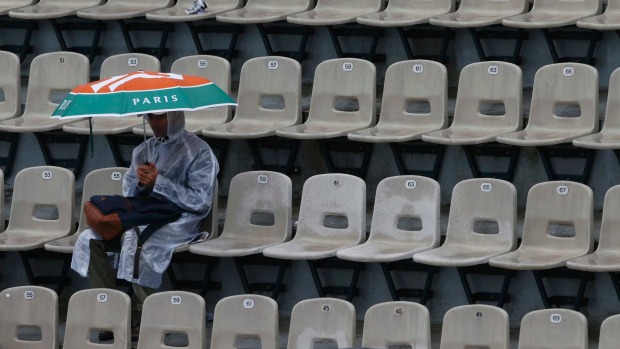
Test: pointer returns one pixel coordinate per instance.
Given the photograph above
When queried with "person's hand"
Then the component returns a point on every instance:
(147, 174)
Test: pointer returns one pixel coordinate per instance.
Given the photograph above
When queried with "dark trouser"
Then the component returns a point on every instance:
(100, 271)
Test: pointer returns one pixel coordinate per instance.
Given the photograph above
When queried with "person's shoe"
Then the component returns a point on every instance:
(209, 316)
(105, 336)
(199, 7)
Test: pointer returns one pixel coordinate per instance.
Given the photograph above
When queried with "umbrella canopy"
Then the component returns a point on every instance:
(141, 92)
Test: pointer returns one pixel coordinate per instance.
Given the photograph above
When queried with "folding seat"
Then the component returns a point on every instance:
(553, 329)
(175, 313)
(475, 326)
(269, 99)
(334, 14)
(397, 323)
(28, 318)
(564, 107)
(410, 89)
(10, 85)
(410, 19)
(487, 15)
(245, 316)
(94, 310)
(405, 221)
(557, 228)
(332, 216)
(609, 20)
(481, 225)
(258, 215)
(488, 104)
(343, 100)
(269, 16)
(608, 338)
(551, 14)
(322, 319)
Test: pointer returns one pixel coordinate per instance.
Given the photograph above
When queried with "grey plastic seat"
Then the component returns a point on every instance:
(322, 319)
(104, 181)
(543, 246)
(558, 90)
(475, 326)
(94, 310)
(8, 5)
(244, 316)
(115, 65)
(402, 13)
(173, 312)
(10, 85)
(265, 11)
(333, 12)
(553, 329)
(415, 80)
(555, 13)
(397, 323)
(177, 13)
(483, 85)
(124, 9)
(480, 13)
(46, 9)
(51, 74)
(609, 333)
(269, 99)
(28, 307)
(41, 209)
(348, 80)
(609, 20)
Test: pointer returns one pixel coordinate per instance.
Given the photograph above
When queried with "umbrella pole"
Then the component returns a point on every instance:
(90, 127)
(144, 133)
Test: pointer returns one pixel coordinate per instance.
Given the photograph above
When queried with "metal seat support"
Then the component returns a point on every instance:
(567, 151)
(502, 297)
(75, 24)
(47, 142)
(375, 33)
(289, 146)
(499, 32)
(258, 260)
(349, 291)
(426, 32)
(329, 147)
(165, 28)
(211, 26)
(494, 150)
(407, 265)
(576, 301)
(281, 29)
(58, 282)
(23, 49)
(205, 284)
(424, 149)
(593, 36)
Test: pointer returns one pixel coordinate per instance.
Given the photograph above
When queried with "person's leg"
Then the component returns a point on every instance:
(100, 271)
(142, 293)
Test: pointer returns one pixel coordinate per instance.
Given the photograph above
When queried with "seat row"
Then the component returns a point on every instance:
(255, 319)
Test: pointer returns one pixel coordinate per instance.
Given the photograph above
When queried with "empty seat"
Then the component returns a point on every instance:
(10, 85)
(46, 9)
(172, 312)
(401, 13)
(475, 326)
(331, 12)
(94, 310)
(245, 316)
(177, 12)
(609, 20)
(555, 13)
(396, 323)
(479, 13)
(608, 338)
(322, 319)
(553, 329)
(256, 11)
(9, 5)
(123, 9)
(28, 310)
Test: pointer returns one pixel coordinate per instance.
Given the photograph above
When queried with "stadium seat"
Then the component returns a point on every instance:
(553, 329)
(269, 99)
(492, 108)
(564, 107)
(609, 20)
(475, 326)
(332, 217)
(396, 323)
(609, 333)
(30, 308)
(557, 227)
(177, 12)
(481, 225)
(409, 87)
(395, 237)
(343, 100)
(9, 5)
(245, 316)
(322, 319)
(10, 85)
(94, 310)
(258, 215)
(51, 9)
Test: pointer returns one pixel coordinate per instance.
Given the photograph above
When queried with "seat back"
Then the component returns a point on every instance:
(344, 93)
(483, 212)
(612, 111)
(412, 84)
(10, 85)
(610, 328)
(245, 316)
(125, 63)
(214, 68)
(397, 323)
(401, 199)
(259, 206)
(103, 181)
(94, 310)
(557, 7)
(2, 200)
(43, 201)
(510, 7)
(609, 239)
(350, 5)
(300, 5)
(322, 319)
(420, 5)
(172, 312)
(567, 89)
(475, 326)
(553, 329)
(28, 307)
(52, 76)
(489, 97)
(270, 92)
(333, 206)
